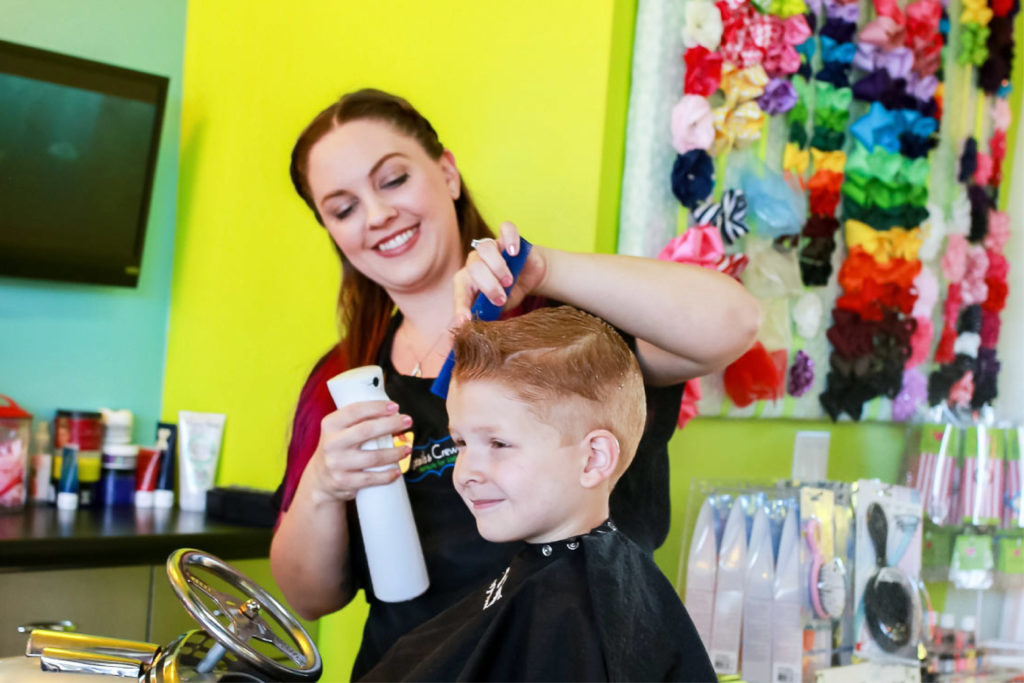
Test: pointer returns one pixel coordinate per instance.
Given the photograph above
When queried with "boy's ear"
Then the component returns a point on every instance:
(602, 458)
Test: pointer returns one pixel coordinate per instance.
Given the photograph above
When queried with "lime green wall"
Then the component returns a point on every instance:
(531, 97)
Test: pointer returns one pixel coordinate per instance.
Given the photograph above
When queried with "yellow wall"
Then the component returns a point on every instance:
(530, 96)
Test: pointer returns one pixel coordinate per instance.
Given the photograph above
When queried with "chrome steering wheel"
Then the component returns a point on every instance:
(244, 618)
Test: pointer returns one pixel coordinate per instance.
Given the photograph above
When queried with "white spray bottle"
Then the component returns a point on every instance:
(398, 571)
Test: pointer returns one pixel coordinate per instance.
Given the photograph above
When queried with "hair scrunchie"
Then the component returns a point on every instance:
(693, 177)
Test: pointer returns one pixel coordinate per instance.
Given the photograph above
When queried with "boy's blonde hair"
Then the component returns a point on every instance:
(573, 370)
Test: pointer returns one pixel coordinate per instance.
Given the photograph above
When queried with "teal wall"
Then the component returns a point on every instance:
(89, 346)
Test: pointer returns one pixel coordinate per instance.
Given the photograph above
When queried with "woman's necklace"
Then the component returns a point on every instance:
(418, 369)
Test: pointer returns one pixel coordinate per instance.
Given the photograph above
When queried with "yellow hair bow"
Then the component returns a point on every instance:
(976, 11)
(738, 122)
(736, 127)
(828, 161)
(742, 85)
(795, 159)
(883, 244)
(787, 8)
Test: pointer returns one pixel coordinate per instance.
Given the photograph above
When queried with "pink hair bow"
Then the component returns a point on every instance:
(962, 390)
(780, 39)
(700, 245)
(1001, 115)
(795, 29)
(998, 266)
(920, 342)
(781, 59)
(693, 126)
(923, 17)
(998, 230)
(927, 286)
(973, 288)
(888, 30)
(745, 35)
(688, 406)
(954, 261)
(883, 32)
(983, 172)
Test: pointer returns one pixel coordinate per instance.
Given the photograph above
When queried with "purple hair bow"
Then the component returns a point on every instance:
(779, 96)
(922, 87)
(849, 13)
(897, 62)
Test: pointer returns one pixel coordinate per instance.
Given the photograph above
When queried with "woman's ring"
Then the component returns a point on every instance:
(476, 243)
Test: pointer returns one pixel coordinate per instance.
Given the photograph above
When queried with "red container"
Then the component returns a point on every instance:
(146, 472)
(85, 429)
(15, 427)
(79, 427)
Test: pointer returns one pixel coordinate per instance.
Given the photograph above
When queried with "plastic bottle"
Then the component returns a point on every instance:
(117, 426)
(968, 637)
(67, 488)
(398, 571)
(42, 466)
(163, 497)
(931, 665)
(945, 635)
(117, 476)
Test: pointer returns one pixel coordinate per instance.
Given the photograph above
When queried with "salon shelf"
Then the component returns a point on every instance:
(42, 537)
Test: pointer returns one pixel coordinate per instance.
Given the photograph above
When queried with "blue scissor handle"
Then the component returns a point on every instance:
(483, 310)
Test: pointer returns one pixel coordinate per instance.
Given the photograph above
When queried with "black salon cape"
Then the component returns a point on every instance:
(591, 608)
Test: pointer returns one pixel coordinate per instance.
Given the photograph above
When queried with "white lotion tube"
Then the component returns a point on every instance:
(198, 451)
(732, 575)
(398, 571)
(757, 602)
(701, 567)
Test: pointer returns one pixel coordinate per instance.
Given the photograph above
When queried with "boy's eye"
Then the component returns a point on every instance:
(459, 443)
(498, 443)
(396, 181)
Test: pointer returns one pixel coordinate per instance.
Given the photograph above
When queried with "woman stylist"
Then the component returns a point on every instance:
(376, 176)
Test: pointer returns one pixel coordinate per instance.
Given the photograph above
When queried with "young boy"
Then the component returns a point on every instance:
(547, 410)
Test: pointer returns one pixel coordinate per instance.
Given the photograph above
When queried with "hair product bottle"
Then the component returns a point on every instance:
(398, 571)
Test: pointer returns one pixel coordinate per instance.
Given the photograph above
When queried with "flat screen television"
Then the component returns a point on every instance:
(78, 150)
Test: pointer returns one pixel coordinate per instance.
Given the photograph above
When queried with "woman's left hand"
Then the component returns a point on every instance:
(485, 272)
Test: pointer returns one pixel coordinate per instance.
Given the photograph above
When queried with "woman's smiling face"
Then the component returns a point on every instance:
(388, 206)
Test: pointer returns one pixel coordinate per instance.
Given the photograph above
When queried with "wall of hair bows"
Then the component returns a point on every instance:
(845, 161)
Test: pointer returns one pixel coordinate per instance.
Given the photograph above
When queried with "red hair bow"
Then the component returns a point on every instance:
(756, 375)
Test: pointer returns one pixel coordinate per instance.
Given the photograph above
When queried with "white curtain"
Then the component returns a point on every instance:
(649, 211)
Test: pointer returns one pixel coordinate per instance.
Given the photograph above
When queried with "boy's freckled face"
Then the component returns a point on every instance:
(512, 471)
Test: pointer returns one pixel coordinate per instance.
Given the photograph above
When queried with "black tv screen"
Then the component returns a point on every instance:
(78, 150)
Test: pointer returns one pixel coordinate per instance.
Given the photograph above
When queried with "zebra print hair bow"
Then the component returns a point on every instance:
(728, 215)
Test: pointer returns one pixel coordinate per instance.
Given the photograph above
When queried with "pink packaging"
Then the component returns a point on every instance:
(934, 477)
(15, 427)
(1012, 512)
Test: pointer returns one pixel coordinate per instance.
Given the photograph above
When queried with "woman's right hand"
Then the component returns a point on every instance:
(340, 465)
(485, 272)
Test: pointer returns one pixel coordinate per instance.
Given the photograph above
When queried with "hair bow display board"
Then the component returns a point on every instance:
(848, 163)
